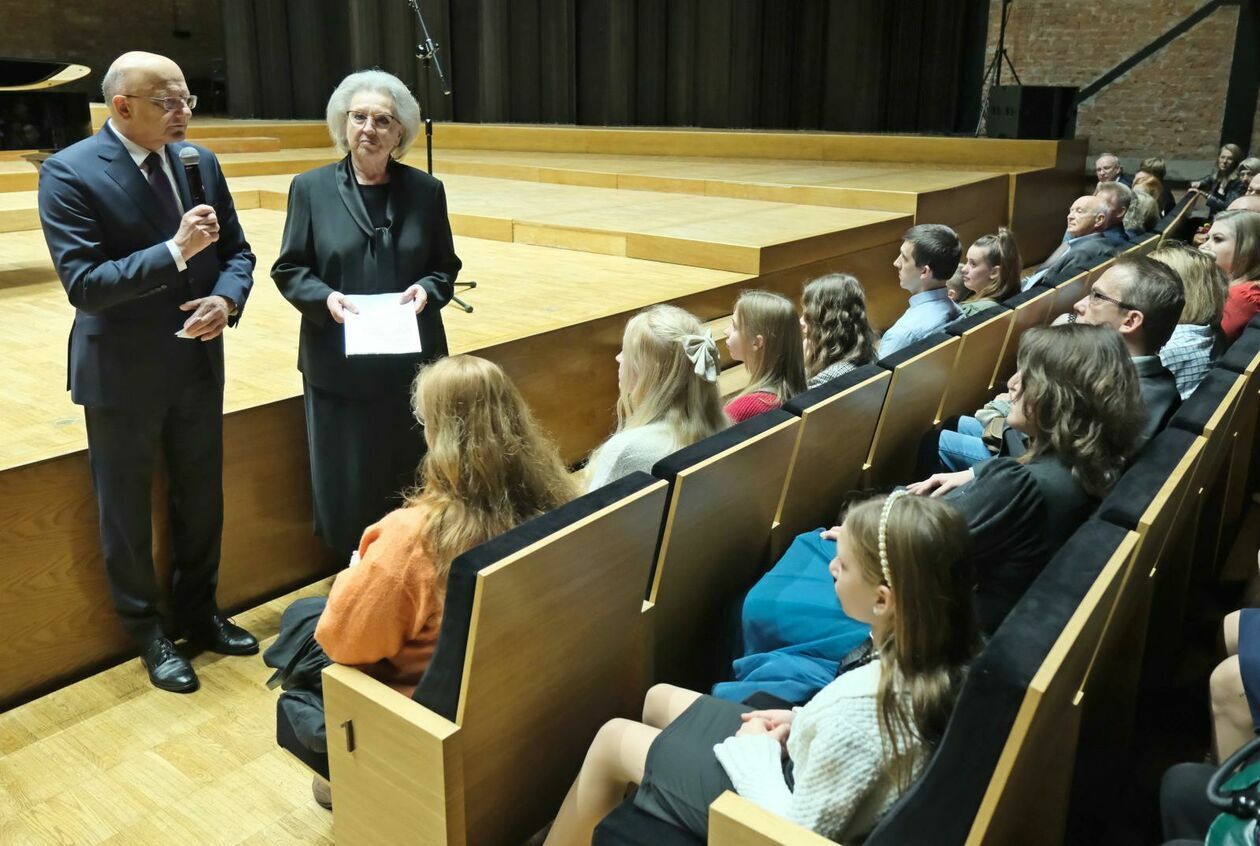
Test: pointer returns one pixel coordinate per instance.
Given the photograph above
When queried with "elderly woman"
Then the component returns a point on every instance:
(367, 224)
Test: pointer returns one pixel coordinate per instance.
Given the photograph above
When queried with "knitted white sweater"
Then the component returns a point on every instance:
(842, 787)
(627, 451)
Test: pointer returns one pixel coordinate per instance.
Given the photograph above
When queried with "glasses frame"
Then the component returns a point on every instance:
(1099, 296)
(180, 102)
(390, 120)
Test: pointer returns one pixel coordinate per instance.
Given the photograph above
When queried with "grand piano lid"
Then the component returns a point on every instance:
(33, 75)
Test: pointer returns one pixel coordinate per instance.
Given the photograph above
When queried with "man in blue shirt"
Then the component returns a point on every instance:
(928, 258)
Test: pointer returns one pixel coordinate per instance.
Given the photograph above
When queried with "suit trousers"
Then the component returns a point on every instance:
(122, 448)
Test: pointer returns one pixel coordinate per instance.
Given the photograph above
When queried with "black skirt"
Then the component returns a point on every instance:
(364, 453)
(682, 776)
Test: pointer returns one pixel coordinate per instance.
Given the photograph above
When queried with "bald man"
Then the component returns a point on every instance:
(1247, 202)
(156, 272)
(1085, 246)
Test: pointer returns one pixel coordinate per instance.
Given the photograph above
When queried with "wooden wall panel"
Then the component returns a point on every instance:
(860, 65)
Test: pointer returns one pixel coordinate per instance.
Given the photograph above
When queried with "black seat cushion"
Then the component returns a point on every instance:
(1195, 412)
(1125, 504)
(945, 799)
(440, 686)
(799, 403)
(1025, 296)
(1244, 350)
(965, 324)
(901, 356)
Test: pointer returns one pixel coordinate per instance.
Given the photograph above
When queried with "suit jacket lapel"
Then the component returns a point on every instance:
(350, 195)
(122, 169)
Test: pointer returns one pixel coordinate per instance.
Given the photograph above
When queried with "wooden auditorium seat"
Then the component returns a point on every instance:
(724, 492)
(981, 340)
(1067, 294)
(1242, 357)
(540, 645)
(1032, 308)
(838, 422)
(920, 373)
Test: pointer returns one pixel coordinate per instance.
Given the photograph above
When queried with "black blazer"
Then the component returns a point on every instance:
(330, 245)
(1159, 393)
(1084, 253)
(106, 234)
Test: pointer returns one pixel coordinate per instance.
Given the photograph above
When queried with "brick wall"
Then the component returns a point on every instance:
(95, 32)
(1171, 104)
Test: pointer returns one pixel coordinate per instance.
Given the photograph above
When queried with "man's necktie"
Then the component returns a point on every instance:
(161, 187)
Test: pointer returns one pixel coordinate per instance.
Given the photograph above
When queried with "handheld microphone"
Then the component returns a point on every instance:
(190, 159)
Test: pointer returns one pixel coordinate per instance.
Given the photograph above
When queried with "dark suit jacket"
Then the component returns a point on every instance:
(1159, 392)
(107, 237)
(1083, 254)
(330, 245)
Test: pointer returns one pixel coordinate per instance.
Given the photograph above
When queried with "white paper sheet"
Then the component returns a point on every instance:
(383, 326)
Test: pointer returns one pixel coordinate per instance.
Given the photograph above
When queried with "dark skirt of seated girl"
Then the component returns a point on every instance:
(837, 764)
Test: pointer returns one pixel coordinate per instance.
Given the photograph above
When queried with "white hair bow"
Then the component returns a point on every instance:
(703, 354)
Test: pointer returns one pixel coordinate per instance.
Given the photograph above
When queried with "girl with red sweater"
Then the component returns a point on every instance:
(765, 335)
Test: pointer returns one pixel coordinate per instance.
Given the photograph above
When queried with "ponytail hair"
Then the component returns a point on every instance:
(1002, 252)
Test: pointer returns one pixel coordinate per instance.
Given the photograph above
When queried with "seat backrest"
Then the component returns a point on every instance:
(920, 373)
(1032, 308)
(976, 786)
(1209, 412)
(982, 338)
(724, 493)
(1067, 294)
(837, 426)
(541, 630)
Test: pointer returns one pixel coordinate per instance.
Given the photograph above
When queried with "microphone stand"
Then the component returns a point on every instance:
(426, 52)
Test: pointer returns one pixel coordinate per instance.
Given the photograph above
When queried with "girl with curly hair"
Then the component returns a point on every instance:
(837, 333)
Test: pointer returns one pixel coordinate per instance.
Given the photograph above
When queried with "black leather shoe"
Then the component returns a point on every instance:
(219, 634)
(168, 670)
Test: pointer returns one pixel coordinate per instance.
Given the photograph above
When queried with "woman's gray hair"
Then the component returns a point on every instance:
(406, 109)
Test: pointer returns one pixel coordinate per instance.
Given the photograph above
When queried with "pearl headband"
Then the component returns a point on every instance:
(883, 532)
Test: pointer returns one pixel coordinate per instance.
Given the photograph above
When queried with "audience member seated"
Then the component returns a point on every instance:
(764, 333)
(956, 288)
(1085, 246)
(990, 272)
(1218, 183)
(1253, 187)
(489, 467)
(1142, 217)
(667, 393)
(928, 258)
(1153, 173)
(1075, 397)
(1143, 300)
(1119, 198)
(836, 334)
(1247, 202)
(1234, 243)
(836, 765)
(1237, 187)
(1107, 168)
(1191, 349)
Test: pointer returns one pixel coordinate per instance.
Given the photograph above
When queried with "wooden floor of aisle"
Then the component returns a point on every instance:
(112, 760)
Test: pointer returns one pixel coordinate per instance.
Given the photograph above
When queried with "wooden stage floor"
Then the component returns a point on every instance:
(567, 231)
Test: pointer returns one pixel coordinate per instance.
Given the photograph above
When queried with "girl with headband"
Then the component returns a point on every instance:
(667, 393)
(837, 764)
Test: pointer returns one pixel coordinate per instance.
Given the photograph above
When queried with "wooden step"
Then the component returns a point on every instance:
(239, 144)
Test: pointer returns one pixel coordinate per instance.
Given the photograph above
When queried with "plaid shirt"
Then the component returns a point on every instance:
(1188, 354)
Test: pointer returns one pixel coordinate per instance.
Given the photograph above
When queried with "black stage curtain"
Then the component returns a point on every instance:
(848, 65)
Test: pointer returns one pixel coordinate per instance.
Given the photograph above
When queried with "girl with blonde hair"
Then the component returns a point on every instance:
(764, 335)
(1190, 350)
(837, 333)
(1234, 243)
(900, 567)
(667, 393)
(990, 271)
(489, 468)
(1075, 395)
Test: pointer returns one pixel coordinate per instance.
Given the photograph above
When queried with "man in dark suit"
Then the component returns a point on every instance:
(155, 278)
(1107, 168)
(1084, 247)
(1142, 298)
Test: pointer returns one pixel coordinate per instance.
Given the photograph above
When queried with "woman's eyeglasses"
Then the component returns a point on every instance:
(381, 122)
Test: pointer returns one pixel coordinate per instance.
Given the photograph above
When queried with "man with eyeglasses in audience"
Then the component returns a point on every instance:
(157, 267)
(1085, 246)
(1107, 168)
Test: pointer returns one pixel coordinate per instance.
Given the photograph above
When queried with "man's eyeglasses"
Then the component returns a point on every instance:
(381, 122)
(1096, 296)
(170, 104)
